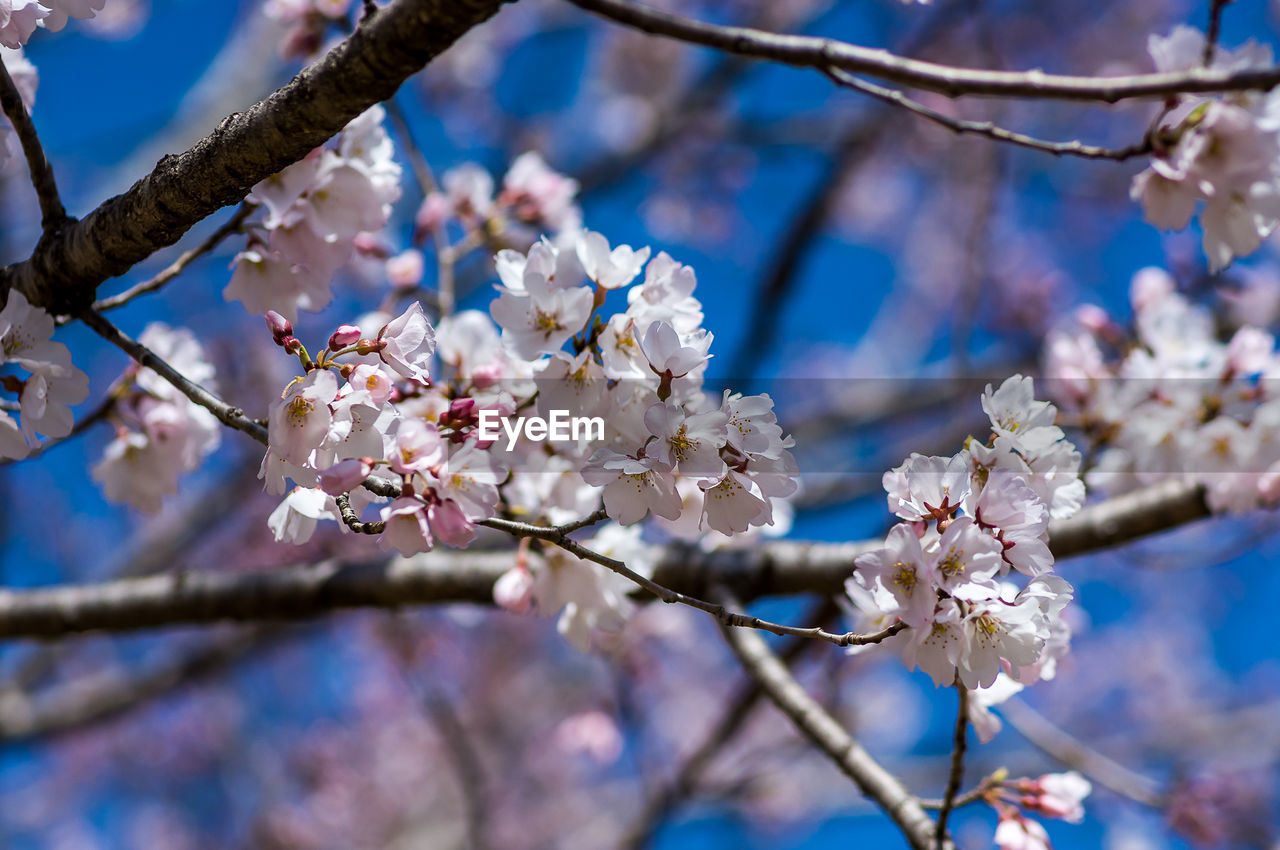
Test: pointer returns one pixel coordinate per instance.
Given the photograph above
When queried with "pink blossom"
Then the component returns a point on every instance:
(409, 341)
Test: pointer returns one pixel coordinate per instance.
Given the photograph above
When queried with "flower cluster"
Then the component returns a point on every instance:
(45, 396)
(25, 78)
(396, 396)
(1054, 795)
(20, 18)
(333, 425)
(160, 433)
(1222, 153)
(533, 199)
(315, 210)
(970, 521)
(1169, 399)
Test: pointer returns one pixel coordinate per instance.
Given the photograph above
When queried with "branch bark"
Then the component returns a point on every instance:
(777, 568)
(823, 53)
(368, 67)
(882, 787)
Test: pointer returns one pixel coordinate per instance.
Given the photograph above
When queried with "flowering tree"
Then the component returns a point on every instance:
(465, 405)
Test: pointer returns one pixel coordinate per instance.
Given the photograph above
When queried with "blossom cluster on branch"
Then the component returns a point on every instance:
(52, 383)
(971, 522)
(160, 433)
(315, 211)
(1168, 399)
(1221, 155)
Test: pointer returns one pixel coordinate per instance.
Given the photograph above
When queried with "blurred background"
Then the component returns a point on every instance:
(869, 270)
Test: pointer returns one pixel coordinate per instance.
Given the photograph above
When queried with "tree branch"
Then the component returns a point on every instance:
(559, 537)
(825, 733)
(82, 703)
(178, 266)
(956, 775)
(814, 52)
(232, 417)
(52, 213)
(1070, 752)
(247, 147)
(776, 568)
(986, 129)
(661, 802)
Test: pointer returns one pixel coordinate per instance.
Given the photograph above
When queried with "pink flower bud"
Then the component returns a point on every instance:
(281, 328)
(483, 377)
(462, 408)
(345, 475)
(369, 245)
(1093, 318)
(450, 525)
(405, 269)
(431, 216)
(344, 336)
(514, 590)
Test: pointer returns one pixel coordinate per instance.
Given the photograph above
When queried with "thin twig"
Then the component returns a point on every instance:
(1073, 753)
(956, 774)
(232, 225)
(973, 795)
(886, 790)
(52, 214)
(987, 129)
(352, 520)
(558, 537)
(1214, 30)
(815, 52)
(457, 741)
(446, 260)
(232, 417)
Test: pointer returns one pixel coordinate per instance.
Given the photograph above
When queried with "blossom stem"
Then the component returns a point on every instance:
(956, 775)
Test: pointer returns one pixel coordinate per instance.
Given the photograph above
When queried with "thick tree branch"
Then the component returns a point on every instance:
(247, 147)
(660, 803)
(83, 703)
(814, 52)
(882, 787)
(52, 213)
(776, 568)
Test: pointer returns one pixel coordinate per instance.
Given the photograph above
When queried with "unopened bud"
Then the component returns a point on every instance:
(405, 269)
(431, 215)
(345, 475)
(369, 245)
(462, 408)
(281, 328)
(344, 336)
